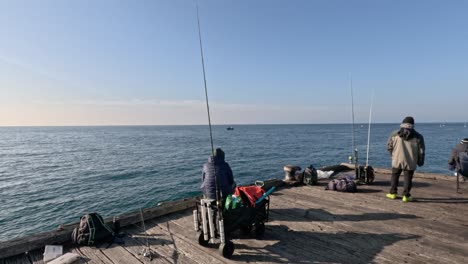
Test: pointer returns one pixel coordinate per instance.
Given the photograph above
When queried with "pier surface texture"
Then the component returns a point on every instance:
(311, 225)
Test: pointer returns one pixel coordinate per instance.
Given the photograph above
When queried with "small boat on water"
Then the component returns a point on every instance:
(230, 128)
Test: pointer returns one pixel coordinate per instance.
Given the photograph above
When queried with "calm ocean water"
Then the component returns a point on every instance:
(53, 175)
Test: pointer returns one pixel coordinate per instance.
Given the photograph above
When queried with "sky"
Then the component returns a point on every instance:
(106, 62)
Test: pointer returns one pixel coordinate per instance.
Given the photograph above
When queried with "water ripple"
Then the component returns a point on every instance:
(53, 175)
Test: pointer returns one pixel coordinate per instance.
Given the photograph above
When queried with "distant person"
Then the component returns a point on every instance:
(459, 159)
(406, 146)
(217, 167)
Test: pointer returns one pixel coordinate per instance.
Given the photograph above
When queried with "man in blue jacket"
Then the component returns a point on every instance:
(217, 167)
(459, 159)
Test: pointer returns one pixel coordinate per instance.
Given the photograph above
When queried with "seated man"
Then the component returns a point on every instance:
(459, 158)
(217, 167)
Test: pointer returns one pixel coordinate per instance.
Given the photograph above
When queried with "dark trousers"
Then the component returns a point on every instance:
(408, 174)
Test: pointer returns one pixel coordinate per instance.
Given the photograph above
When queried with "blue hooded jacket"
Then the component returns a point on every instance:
(224, 176)
(459, 158)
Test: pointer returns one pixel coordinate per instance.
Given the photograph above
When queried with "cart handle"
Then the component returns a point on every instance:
(265, 195)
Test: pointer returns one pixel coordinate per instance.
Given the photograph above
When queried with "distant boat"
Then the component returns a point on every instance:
(465, 124)
(230, 128)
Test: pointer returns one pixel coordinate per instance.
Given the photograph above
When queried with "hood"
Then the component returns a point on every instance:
(406, 133)
(215, 159)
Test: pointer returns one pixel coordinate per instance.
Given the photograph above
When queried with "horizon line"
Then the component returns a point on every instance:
(239, 124)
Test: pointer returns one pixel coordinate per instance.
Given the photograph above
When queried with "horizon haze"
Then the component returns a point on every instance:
(88, 63)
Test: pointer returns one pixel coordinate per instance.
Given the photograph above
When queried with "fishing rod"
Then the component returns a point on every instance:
(218, 204)
(147, 252)
(204, 80)
(368, 170)
(355, 150)
(369, 129)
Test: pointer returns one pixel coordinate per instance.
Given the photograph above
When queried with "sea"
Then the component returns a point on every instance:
(53, 175)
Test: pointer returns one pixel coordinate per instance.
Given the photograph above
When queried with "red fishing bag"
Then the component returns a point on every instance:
(253, 193)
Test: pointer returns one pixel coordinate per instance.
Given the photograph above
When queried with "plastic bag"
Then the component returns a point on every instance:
(233, 202)
(324, 174)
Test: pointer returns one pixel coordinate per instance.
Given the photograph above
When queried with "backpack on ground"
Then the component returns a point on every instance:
(92, 230)
(342, 185)
(309, 176)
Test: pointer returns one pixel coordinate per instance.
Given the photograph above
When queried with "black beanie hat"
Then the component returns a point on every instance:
(409, 120)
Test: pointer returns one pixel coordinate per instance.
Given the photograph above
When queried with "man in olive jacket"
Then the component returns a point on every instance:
(406, 146)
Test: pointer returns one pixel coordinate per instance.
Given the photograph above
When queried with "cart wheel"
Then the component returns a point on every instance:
(226, 250)
(259, 230)
(246, 229)
(201, 240)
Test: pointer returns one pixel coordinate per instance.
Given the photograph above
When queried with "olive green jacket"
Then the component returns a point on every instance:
(406, 154)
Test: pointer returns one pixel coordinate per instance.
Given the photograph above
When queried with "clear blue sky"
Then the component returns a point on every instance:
(97, 62)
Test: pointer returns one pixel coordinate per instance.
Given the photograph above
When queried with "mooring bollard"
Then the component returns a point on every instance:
(290, 172)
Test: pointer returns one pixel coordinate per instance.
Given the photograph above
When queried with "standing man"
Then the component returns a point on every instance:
(459, 159)
(406, 146)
